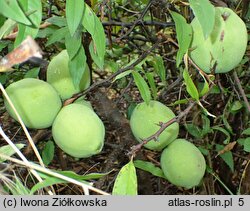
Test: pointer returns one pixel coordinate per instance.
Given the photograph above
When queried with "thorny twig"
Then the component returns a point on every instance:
(163, 126)
(146, 23)
(108, 79)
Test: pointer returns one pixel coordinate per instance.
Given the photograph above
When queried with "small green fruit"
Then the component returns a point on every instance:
(78, 131)
(58, 75)
(36, 101)
(225, 46)
(183, 164)
(145, 120)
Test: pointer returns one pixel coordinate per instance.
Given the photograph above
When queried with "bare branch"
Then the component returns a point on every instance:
(242, 92)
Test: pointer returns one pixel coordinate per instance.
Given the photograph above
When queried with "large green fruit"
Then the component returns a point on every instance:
(183, 164)
(226, 45)
(78, 131)
(36, 101)
(58, 75)
(145, 120)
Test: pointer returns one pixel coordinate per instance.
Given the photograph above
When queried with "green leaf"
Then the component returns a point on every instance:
(122, 75)
(206, 125)
(130, 110)
(48, 152)
(227, 156)
(194, 130)
(159, 67)
(215, 90)
(142, 86)
(177, 102)
(205, 87)
(32, 73)
(203, 150)
(57, 36)
(111, 66)
(94, 55)
(3, 44)
(151, 81)
(9, 151)
(191, 88)
(149, 167)
(241, 141)
(3, 78)
(236, 106)
(126, 181)
(247, 144)
(77, 66)
(246, 131)
(50, 180)
(12, 10)
(74, 13)
(73, 44)
(23, 30)
(91, 176)
(184, 35)
(225, 122)
(2, 20)
(94, 26)
(19, 188)
(204, 11)
(58, 21)
(45, 33)
(45, 183)
(7, 27)
(227, 140)
(76, 176)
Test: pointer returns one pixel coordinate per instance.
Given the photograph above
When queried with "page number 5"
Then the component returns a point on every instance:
(241, 202)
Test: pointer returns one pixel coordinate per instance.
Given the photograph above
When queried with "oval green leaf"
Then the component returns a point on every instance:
(159, 67)
(151, 81)
(142, 86)
(191, 88)
(184, 35)
(227, 157)
(74, 13)
(50, 180)
(57, 36)
(247, 144)
(35, 8)
(94, 26)
(77, 66)
(12, 10)
(149, 167)
(48, 152)
(73, 44)
(204, 11)
(246, 131)
(126, 181)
